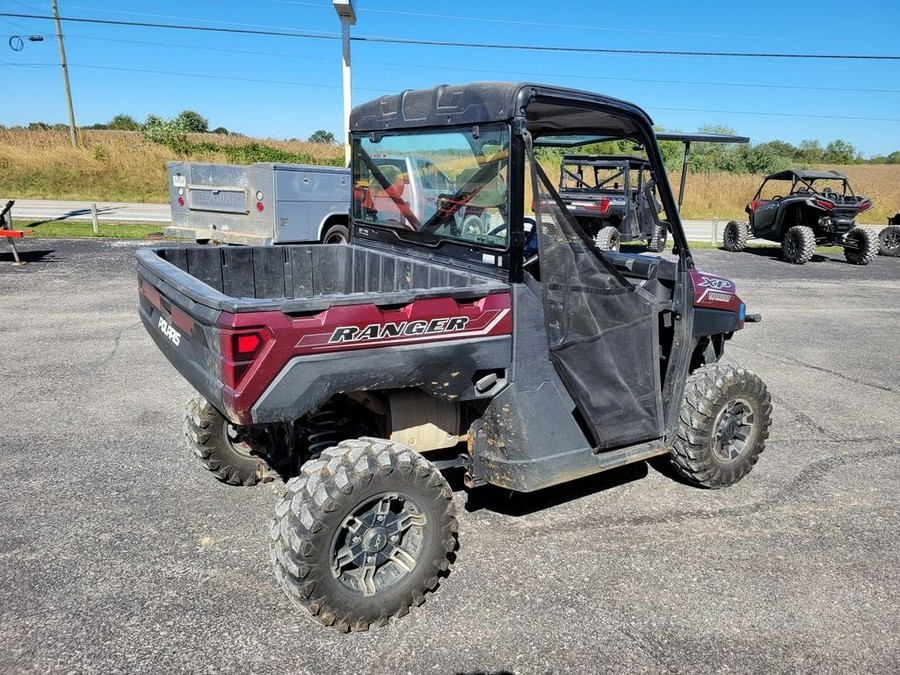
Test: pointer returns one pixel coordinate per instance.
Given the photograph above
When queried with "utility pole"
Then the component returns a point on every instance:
(65, 70)
(347, 12)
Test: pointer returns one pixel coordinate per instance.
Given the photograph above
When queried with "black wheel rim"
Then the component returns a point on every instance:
(734, 426)
(236, 440)
(891, 241)
(790, 246)
(730, 236)
(379, 544)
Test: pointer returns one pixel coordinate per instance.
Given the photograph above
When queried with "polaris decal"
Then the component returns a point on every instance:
(385, 331)
(169, 331)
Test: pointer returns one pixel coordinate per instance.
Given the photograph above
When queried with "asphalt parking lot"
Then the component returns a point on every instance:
(119, 553)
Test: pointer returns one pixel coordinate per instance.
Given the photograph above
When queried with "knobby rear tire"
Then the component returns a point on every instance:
(327, 505)
(865, 246)
(228, 458)
(735, 235)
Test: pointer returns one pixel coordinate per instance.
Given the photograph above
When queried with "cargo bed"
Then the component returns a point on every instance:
(204, 305)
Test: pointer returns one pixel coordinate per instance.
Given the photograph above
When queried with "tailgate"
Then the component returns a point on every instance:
(185, 329)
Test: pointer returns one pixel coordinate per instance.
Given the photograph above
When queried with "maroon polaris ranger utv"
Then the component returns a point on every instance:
(516, 351)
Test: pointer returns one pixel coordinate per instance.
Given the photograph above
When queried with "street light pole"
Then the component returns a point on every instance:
(65, 70)
(347, 13)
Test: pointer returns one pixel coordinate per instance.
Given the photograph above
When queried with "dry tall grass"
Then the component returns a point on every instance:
(122, 166)
(110, 165)
(726, 195)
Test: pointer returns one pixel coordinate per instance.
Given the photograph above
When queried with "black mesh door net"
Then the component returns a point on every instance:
(603, 340)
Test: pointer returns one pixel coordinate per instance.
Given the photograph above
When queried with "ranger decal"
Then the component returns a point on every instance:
(378, 331)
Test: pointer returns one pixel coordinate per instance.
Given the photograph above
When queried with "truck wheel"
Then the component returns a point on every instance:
(608, 239)
(220, 448)
(735, 235)
(865, 246)
(799, 245)
(889, 241)
(363, 533)
(473, 226)
(657, 242)
(724, 425)
(336, 234)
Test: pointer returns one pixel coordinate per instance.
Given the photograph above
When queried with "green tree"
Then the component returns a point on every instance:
(322, 136)
(221, 130)
(171, 133)
(840, 152)
(123, 123)
(766, 158)
(710, 157)
(193, 122)
(810, 152)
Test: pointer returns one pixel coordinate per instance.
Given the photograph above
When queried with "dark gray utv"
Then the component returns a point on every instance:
(514, 352)
(613, 197)
(804, 209)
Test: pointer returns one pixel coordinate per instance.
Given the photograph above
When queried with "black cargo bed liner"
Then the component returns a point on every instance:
(304, 278)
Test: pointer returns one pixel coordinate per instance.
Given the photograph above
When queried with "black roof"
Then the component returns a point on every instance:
(803, 174)
(483, 103)
(601, 160)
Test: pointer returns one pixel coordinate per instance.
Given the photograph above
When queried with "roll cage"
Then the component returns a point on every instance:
(538, 116)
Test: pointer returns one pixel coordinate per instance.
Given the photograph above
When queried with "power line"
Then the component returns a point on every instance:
(305, 57)
(190, 18)
(635, 79)
(209, 29)
(777, 114)
(541, 24)
(499, 72)
(378, 91)
(469, 45)
(256, 80)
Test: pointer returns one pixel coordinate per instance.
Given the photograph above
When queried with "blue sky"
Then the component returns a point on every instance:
(286, 87)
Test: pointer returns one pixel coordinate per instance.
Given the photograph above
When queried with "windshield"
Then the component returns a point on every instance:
(432, 186)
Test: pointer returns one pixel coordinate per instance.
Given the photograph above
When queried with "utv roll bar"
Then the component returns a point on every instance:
(687, 139)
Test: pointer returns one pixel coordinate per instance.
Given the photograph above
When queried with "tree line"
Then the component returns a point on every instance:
(160, 129)
(739, 158)
(755, 158)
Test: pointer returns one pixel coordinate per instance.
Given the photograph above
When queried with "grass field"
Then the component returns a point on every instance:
(123, 166)
(56, 228)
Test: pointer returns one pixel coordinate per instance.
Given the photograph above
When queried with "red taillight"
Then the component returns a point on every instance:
(865, 205)
(260, 207)
(604, 205)
(825, 204)
(181, 201)
(239, 350)
(246, 344)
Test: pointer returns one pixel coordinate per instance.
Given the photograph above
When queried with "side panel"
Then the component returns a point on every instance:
(435, 344)
(528, 437)
(444, 370)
